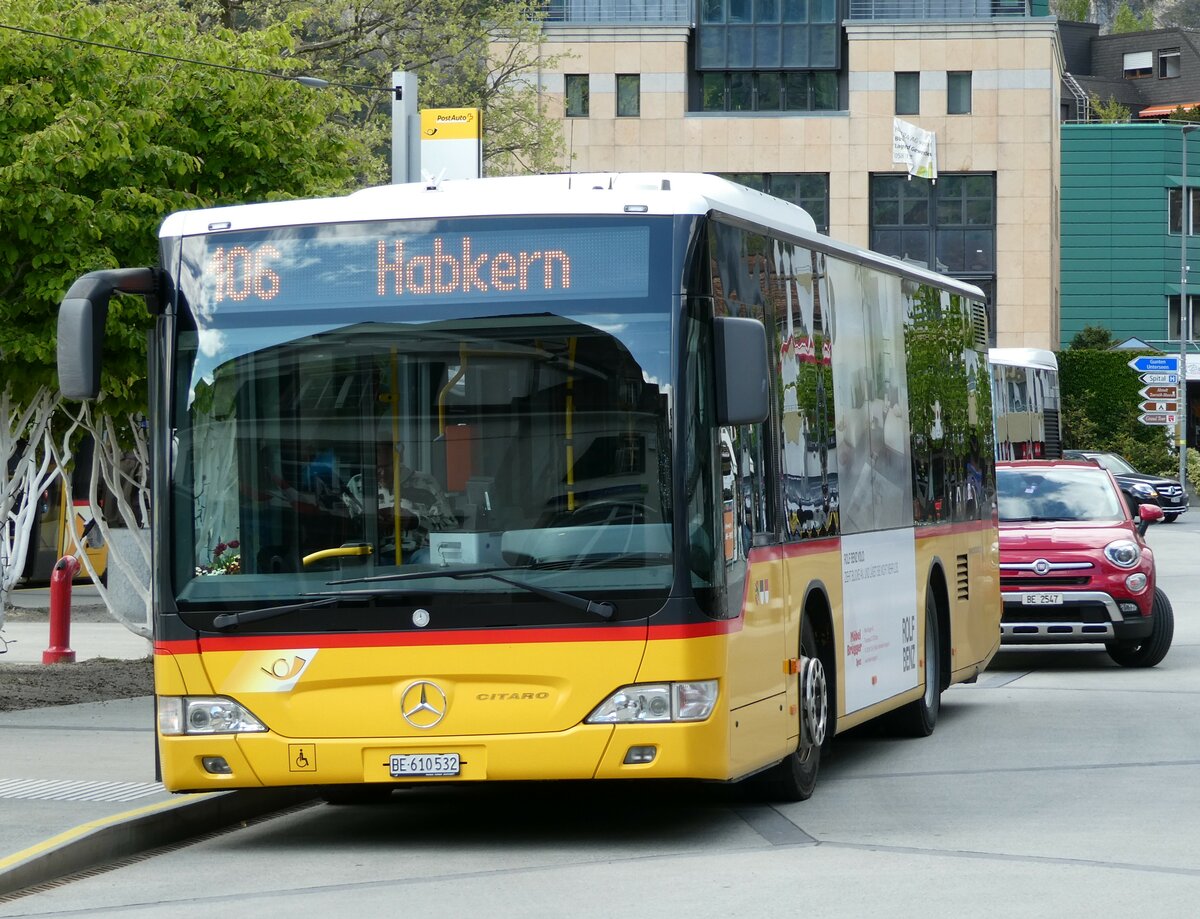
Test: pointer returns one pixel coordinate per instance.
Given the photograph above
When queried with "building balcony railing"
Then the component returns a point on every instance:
(682, 12)
(905, 10)
(619, 12)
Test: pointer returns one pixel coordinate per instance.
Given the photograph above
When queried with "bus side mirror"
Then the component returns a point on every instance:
(742, 375)
(81, 319)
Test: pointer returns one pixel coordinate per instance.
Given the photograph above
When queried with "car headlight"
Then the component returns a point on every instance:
(204, 715)
(645, 703)
(1143, 491)
(1124, 553)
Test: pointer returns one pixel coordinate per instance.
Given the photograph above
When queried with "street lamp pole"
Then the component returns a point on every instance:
(1185, 311)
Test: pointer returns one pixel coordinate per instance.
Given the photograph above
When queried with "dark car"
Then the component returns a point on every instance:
(1139, 487)
(1074, 564)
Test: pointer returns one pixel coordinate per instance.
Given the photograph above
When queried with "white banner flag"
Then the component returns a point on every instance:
(916, 148)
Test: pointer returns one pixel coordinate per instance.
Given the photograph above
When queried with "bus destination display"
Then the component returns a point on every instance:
(326, 265)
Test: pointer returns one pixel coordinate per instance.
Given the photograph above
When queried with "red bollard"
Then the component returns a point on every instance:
(60, 651)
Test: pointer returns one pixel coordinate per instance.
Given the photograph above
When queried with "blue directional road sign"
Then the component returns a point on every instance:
(1161, 364)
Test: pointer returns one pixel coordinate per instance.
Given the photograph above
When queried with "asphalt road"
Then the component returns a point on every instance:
(1058, 785)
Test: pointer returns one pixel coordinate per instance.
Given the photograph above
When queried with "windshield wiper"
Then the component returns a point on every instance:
(229, 620)
(604, 610)
(610, 560)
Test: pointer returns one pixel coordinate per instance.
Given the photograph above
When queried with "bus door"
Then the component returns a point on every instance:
(755, 575)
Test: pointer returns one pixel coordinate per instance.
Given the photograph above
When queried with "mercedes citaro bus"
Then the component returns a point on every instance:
(555, 477)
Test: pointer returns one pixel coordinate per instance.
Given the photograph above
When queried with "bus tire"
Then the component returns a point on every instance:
(795, 778)
(356, 794)
(919, 717)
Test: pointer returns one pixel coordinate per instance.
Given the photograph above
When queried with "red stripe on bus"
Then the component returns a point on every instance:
(950, 529)
(431, 639)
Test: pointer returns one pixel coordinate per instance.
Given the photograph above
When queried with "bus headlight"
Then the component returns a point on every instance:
(204, 715)
(645, 703)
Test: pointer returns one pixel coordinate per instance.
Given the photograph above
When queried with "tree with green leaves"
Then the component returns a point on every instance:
(1182, 113)
(1126, 20)
(1101, 404)
(482, 54)
(1109, 111)
(1071, 10)
(97, 145)
(1095, 337)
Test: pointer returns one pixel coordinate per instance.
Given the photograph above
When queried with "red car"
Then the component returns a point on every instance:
(1074, 565)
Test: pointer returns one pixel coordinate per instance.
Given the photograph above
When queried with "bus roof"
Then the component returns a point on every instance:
(663, 193)
(1024, 357)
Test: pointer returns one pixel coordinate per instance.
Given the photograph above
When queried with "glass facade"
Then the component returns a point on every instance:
(769, 91)
(950, 225)
(766, 34)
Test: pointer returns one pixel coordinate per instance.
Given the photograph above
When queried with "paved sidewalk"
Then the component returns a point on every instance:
(77, 782)
(93, 632)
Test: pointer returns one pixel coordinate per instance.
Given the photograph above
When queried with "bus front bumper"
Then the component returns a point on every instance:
(227, 762)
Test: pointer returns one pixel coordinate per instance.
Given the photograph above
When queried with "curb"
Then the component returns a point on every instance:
(109, 839)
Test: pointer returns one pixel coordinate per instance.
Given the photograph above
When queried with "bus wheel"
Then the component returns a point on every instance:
(918, 719)
(795, 778)
(356, 794)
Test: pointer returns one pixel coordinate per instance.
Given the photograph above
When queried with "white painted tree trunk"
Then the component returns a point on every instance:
(124, 473)
(26, 470)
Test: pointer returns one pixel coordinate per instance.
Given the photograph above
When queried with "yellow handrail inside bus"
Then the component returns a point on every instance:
(339, 552)
(463, 354)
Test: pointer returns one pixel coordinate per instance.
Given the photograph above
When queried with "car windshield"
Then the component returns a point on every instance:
(1056, 494)
(1114, 463)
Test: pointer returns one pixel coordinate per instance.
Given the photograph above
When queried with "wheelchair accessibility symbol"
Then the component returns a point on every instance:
(302, 757)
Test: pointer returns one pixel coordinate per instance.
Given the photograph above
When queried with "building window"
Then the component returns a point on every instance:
(629, 95)
(1174, 197)
(769, 91)
(949, 226)
(908, 93)
(810, 190)
(1173, 317)
(1139, 64)
(965, 224)
(958, 92)
(1168, 64)
(578, 95)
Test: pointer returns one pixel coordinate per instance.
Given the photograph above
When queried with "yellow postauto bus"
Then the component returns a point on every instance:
(556, 477)
(1026, 402)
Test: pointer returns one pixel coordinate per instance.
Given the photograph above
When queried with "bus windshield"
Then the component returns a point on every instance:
(396, 398)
